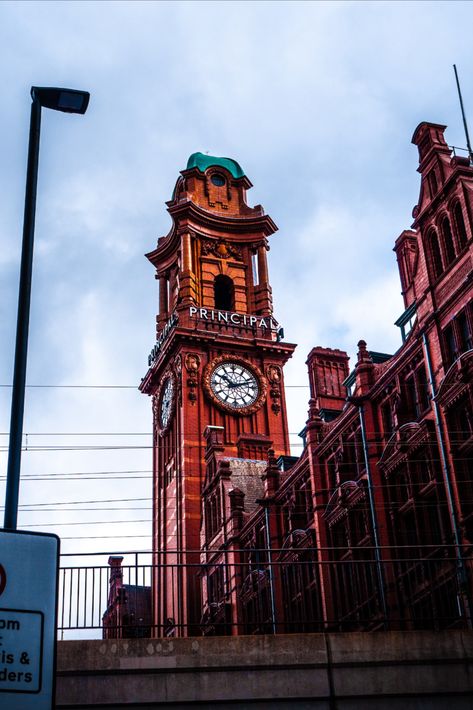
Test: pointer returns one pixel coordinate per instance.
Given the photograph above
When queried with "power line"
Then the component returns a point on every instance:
(81, 502)
(101, 537)
(419, 503)
(30, 479)
(101, 447)
(27, 434)
(110, 387)
(81, 510)
(87, 387)
(81, 475)
(90, 522)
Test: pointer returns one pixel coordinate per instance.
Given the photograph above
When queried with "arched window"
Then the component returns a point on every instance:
(460, 225)
(434, 253)
(448, 241)
(224, 293)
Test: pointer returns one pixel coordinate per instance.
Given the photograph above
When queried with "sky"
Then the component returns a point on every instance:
(317, 101)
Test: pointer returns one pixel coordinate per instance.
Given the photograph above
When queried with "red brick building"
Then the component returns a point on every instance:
(372, 526)
(128, 613)
(217, 362)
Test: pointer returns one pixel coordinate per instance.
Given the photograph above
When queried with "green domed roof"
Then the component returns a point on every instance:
(202, 162)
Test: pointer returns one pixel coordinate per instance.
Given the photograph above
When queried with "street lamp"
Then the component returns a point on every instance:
(69, 101)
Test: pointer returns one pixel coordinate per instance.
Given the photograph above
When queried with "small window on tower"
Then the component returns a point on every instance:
(433, 183)
(435, 255)
(448, 241)
(224, 292)
(217, 179)
(254, 265)
(460, 225)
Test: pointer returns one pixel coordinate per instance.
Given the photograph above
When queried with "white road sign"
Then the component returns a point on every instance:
(28, 604)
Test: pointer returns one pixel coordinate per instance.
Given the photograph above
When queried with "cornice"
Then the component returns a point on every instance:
(197, 338)
(257, 223)
(199, 218)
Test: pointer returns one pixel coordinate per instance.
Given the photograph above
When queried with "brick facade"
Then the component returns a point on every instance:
(372, 526)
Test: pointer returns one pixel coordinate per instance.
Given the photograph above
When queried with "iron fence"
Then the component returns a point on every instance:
(253, 592)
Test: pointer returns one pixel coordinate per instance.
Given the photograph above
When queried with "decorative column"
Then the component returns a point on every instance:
(188, 283)
(263, 297)
(186, 252)
(263, 277)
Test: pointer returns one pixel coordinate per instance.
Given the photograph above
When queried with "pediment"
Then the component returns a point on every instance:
(405, 439)
(345, 496)
(457, 377)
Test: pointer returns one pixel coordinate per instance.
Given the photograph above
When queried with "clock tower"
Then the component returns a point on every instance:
(217, 362)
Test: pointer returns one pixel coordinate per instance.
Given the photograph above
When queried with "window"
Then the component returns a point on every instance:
(460, 225)
(424, 145)
(449, 344)
(448, 241)
(224, 293)
(387, 419)
(422, 470)
(423, 389)
(169, 473)
(302, 513)
(217, 179)
(340, 538)
(458, 336)
(433, 183)
(352, 463)
(402, 487)
(213, 516)
(434, 254)
(460, 423)
(464, 332)
(416, 395)
(359, 528)
(254, 265)
(216, 586)
(332, 474)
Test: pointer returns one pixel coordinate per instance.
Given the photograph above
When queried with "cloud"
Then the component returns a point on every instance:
(317, 101)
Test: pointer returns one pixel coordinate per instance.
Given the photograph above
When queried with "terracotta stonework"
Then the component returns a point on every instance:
(371, 527)
(208, 261)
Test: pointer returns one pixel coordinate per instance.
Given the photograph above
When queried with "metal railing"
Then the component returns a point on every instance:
(293, 590)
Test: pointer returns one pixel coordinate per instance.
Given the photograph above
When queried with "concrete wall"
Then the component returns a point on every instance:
(325, 671)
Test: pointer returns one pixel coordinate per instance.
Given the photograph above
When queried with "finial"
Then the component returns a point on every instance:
(271, 458)
(363, 354)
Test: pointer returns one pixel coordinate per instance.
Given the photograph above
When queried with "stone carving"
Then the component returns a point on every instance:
(221, 249)
(274, 375)
(192, 365)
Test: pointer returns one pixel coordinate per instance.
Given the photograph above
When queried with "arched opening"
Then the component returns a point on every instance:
(224, 293)
(434, 253)
(448, 241)
(460, 225)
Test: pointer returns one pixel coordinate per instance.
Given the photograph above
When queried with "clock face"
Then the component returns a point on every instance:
(166, 404)
(234, 384)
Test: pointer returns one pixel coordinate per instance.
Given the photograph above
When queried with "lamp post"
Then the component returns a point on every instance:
(68, 101)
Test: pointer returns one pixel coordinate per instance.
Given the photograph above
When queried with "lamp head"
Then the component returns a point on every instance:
(67, 100)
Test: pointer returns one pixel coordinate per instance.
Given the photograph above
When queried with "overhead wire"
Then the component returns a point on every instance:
(110, 387)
